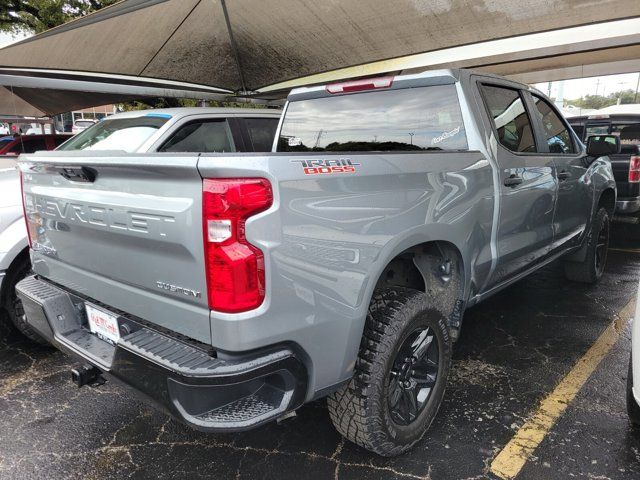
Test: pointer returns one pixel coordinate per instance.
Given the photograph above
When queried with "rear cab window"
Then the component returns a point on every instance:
(629, 134)
(261, 132)
(127, 133)
(591, 130)
(410, 119)
(627, 129)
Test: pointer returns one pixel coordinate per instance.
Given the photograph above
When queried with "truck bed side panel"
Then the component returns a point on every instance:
(328, 237)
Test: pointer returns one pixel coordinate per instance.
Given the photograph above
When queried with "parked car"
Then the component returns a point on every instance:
(633, 378)
(81, 125)
(14, 248)
(177, 130)
(233, 288)
(4, 129)
(31, 143)
(4, 140)
(182, 130)
(626, 164)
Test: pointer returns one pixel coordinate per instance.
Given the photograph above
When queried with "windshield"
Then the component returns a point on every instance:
(116, 134)
(424, 118)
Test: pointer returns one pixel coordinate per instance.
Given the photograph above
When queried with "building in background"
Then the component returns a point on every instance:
(64, 122)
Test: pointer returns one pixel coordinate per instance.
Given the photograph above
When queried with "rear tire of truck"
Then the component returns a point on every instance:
(633, 409)
(400, 374)
(590, 270)
(13, 305)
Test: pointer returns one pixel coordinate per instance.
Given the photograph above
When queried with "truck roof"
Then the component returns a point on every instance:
(406, 80)
(179, 112)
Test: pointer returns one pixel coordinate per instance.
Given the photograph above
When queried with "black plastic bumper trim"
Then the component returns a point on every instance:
(207, 393)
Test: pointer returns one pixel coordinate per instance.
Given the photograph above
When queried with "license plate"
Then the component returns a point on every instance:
(103, 324)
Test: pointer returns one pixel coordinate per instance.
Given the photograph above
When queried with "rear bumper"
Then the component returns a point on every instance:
(628, 205)
(209, 393)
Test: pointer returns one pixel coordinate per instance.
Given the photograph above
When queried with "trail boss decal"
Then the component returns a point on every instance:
(319, 167)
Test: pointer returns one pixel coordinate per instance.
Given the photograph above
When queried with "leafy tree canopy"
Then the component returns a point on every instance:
(35, 16)
(600, 101)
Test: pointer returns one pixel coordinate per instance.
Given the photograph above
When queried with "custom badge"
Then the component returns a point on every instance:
(319, 167)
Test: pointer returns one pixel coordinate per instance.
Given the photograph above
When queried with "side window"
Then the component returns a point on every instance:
(597, 130)
(205, 136)
(509, 118)
(262, 132)
(555, 131)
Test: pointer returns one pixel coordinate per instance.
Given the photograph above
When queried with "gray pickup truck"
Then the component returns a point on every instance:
(230, 289)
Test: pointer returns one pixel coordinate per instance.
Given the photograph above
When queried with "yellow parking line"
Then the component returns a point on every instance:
(626, 250)
(508, 463)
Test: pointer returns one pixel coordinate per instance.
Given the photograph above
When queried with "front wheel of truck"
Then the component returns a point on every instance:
(400, 374)
(590, 270)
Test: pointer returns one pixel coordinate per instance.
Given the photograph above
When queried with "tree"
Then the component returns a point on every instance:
(35, 16)
(592, 101)
(599, 101)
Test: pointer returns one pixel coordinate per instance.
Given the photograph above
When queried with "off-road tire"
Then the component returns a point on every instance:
(633, 409)
(360, 409)
(588, 271)
(13, 305)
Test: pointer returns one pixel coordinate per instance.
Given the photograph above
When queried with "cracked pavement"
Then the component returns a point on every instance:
(515, 347)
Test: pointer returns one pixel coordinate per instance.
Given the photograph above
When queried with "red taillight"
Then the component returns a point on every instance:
(634, 169)
(235, 268)
(360, 85)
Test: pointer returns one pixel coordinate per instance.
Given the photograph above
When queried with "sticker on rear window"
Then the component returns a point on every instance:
(445, 135)
(294, 141)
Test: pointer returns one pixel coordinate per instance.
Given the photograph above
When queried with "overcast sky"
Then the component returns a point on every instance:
(572, 88)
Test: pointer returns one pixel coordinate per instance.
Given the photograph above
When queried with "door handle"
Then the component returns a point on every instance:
(513, 180)
(563, 175)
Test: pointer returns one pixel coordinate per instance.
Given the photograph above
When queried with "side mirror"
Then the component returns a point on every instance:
(600, 145)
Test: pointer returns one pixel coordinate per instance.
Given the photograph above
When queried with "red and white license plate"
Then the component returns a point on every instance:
(103, 324)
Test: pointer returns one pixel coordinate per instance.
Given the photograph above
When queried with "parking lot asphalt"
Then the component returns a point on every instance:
(514, 349)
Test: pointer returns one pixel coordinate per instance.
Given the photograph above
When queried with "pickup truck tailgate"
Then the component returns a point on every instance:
(122, 229)
(620, 166)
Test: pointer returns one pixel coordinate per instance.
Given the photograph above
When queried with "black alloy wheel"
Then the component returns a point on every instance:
(602, 247)
(413, 375)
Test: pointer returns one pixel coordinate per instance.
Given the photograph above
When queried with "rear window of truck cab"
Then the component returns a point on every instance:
(411, 119)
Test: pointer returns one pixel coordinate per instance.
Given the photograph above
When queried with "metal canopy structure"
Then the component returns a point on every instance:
(41, 92)
(264, 48)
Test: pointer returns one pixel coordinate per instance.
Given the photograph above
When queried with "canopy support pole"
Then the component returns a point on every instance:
(234, 47)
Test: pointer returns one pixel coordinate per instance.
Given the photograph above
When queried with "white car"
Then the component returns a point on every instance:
(82, 124)
(633, 379)
(4, 129)
(14, 247)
